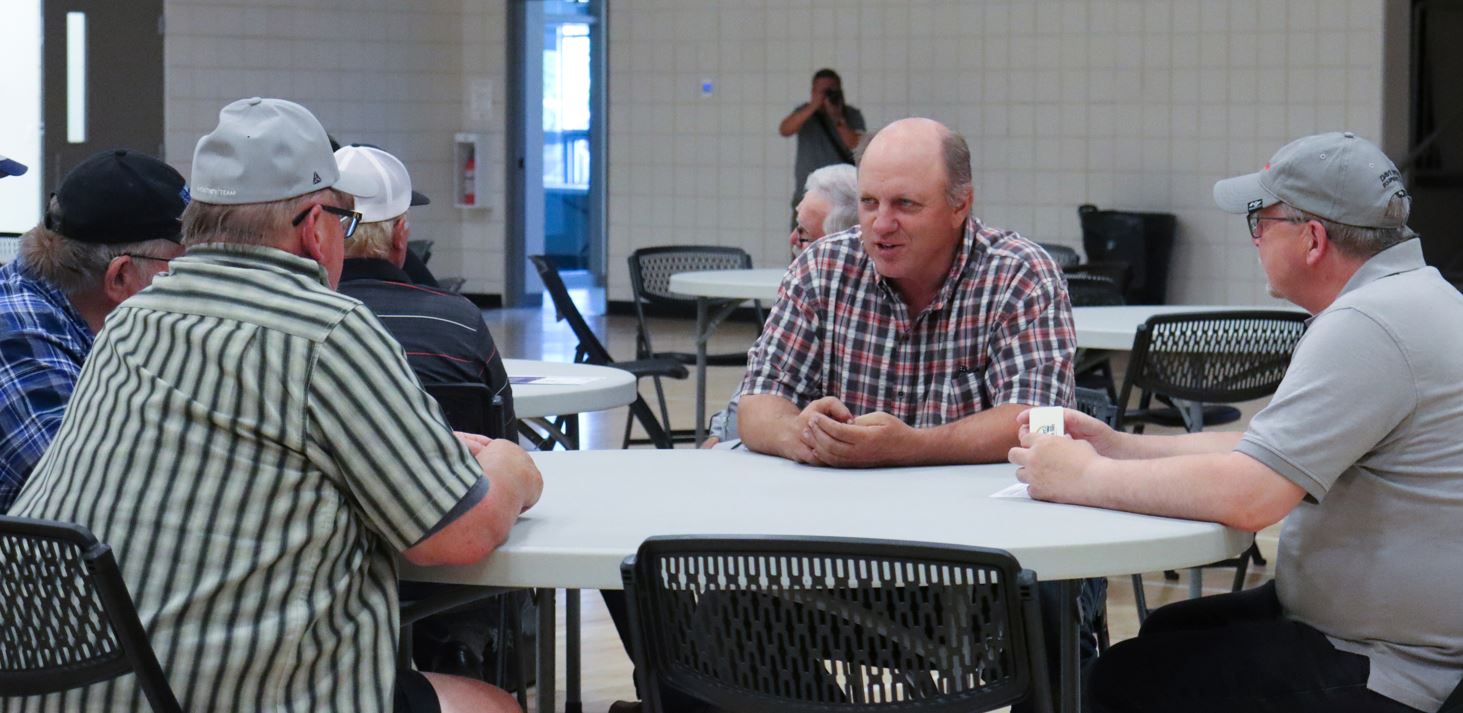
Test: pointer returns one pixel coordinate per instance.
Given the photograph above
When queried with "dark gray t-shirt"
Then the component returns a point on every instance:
(1369, 421)
(818, 148)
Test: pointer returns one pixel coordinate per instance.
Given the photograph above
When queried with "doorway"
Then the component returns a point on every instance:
(557, 141)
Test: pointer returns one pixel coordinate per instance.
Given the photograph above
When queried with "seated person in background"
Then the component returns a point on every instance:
(258, 453)
(110, 227)
(1359, 451)
(915, 338)
(446, 342)
(829, 205)
(444, 336)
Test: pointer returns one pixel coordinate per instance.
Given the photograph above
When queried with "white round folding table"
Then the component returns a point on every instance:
(598, 506)
(1112, 328)
(709, 286)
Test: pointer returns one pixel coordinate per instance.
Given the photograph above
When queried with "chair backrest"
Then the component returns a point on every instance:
(650, 278)
(1064, 256)
(1213, 357)
(1093, 290)
(421, 248)
(651, 269)
(798, 625)
(68, 619)
(590, 350)
(1095, 403)
(470, 407)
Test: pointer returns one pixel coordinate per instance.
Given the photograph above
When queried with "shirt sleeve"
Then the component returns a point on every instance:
(856, 120)
(383, 437)
(1348, 389)
(1032, 341)
(38, 372)
(786, 359)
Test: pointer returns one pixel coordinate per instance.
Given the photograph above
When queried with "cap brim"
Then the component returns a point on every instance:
(11, 167)
(1243, 194)
(357, 184)
(419, 198)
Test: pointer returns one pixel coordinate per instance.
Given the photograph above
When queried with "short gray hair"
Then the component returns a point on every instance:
(839, 184)
(73, 266)
(959, 175)
(247, 223)
(372, 240)
(1361, 242)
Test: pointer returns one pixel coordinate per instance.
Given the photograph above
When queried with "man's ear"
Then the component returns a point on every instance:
(962, 209)
(308, 232)
(1318, 242)
(400, 233)
(121, 280)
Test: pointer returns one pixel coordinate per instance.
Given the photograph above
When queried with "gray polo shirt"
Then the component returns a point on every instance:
(1369, 421)
(817, 147)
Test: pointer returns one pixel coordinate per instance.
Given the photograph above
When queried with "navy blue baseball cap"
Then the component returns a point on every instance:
(11, 167)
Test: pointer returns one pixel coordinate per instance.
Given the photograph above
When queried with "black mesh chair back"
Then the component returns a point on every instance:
(804, 625)
(69, 621)
(471, 407)
(1064, 256)
(1093, 291)
(1211, 357)
(591, 351)
(650, 281)
(1096, 403)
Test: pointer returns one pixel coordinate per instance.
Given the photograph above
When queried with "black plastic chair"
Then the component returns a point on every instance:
(650, 281)
(471, 407)
(69, 621)
(1088, 290)
(1064, 256)
(797, 625)
(591, 351)
(1206, 359)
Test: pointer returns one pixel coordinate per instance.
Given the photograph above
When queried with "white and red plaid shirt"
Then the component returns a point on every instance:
(998, 332)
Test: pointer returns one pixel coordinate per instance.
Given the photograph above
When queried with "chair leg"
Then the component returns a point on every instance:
(1241, 568)
(1139, 598)
(1256, 556)
(665, 414)
(641, 410)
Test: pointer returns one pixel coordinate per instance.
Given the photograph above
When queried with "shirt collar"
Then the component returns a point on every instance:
(1405, 256)
(254, 257)
(52, 294)
(970, 242)
(369, 268)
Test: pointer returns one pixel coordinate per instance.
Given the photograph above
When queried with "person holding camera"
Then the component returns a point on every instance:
(827, 129)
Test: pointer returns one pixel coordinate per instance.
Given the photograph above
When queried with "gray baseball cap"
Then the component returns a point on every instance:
(268, 150)
(1338, 176)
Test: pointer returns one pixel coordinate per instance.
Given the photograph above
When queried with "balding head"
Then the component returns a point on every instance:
(926, 142)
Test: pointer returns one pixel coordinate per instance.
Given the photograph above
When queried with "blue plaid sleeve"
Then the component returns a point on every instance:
(37, 374)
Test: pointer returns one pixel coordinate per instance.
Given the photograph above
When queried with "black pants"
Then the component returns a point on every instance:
(1231, 652)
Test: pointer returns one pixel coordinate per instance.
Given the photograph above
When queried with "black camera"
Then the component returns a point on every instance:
(835, 96)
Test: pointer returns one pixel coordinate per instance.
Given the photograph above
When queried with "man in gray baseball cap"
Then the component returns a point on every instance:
(258, 454)
(1359, 451)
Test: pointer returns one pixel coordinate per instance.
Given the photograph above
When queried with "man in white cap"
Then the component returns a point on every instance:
(255, 449)
(446, 342)
(1359, 450)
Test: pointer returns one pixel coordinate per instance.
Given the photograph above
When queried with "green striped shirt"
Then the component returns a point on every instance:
(256, 450)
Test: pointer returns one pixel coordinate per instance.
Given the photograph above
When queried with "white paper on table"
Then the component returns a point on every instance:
(1015, 492)
(552, 380)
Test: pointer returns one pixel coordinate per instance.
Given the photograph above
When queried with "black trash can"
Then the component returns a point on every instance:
(1142, 241)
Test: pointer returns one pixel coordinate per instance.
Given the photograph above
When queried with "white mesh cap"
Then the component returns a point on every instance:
(268, 150)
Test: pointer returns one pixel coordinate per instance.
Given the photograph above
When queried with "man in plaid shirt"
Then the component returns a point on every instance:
(915, 337)
(111, 226)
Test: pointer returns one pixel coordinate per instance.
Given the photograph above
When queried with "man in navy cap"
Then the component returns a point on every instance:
(113, 224)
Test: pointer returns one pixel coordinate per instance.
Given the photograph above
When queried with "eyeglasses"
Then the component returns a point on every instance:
(349, 219)
(1254, 220)
(803, 238)
(135, 256)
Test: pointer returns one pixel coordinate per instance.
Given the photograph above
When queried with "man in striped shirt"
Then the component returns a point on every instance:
(916, 337)
(257, 452)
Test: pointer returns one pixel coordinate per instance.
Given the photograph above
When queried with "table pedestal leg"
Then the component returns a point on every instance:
(572, 702)
(701, 339)
(546, 632)
(1069, 662)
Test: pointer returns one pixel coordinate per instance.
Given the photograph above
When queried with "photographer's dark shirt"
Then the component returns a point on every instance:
(819, 147)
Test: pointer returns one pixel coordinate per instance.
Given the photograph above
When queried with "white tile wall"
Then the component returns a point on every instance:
(387, 73)
(1134, 104)
(1137, 104)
